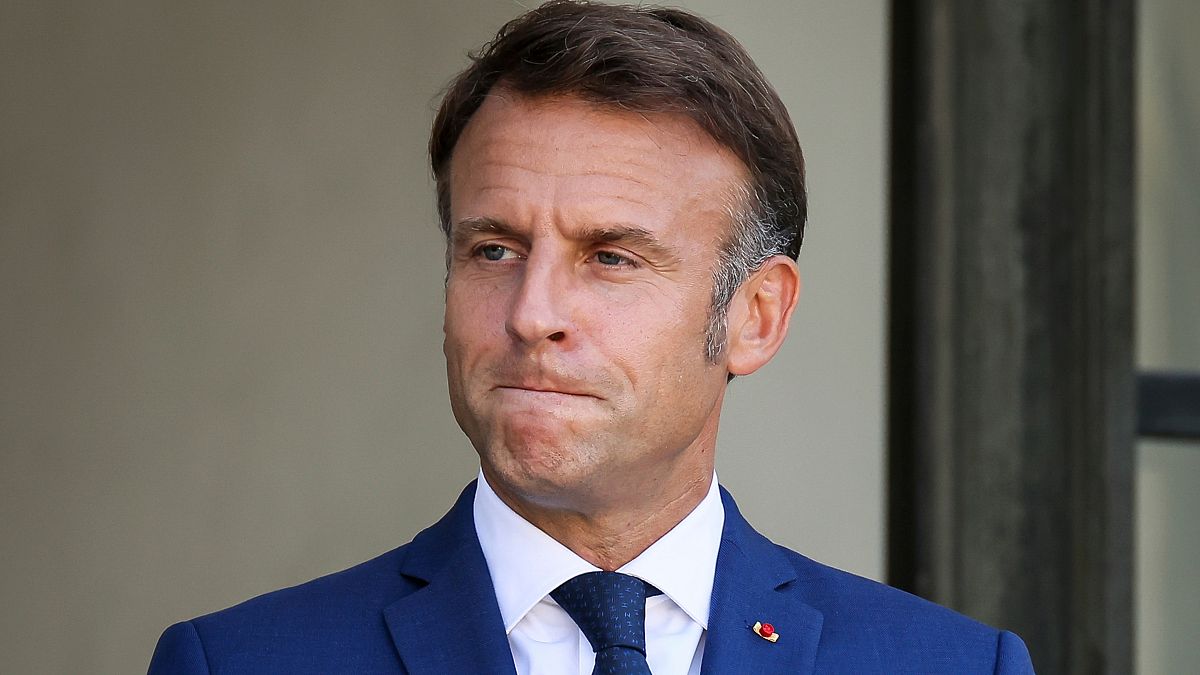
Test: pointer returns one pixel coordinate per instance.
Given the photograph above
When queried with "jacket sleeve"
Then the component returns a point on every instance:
(179, 652)
(1012, 658)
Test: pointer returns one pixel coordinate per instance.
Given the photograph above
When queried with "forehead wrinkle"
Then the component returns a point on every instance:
(599, 197)
(638, 166)
(631, 173)
(619, 176)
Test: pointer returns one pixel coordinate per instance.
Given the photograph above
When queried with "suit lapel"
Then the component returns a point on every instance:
(453, 624)
(756, 583)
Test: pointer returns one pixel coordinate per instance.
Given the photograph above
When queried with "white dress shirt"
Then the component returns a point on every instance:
(526, 564)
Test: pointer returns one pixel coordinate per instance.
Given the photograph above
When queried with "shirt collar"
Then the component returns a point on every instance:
(526, 563)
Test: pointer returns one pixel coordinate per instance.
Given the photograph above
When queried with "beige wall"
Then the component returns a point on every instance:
(1167, 579)
(220, 284)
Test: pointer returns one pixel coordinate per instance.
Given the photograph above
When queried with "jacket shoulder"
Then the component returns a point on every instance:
(334, 623)
(367, 586)
(868, 625)
(298, 628)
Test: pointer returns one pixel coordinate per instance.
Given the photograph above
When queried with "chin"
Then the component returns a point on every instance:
(541, 471)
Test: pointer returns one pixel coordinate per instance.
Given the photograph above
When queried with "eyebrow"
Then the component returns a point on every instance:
(637, 238)
(463, 229)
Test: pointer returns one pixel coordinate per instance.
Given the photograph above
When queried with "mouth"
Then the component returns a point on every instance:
(543, 390)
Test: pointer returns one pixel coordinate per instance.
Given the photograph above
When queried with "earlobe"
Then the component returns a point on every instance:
(759, 323)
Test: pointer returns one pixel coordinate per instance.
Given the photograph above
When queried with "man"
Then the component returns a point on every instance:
(623, 198)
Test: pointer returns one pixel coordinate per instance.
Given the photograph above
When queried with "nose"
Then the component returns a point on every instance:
(539, 307)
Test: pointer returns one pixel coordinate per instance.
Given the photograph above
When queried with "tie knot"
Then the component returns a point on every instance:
(608, 607)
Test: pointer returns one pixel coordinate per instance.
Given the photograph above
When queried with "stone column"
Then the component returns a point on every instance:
(1012, 398)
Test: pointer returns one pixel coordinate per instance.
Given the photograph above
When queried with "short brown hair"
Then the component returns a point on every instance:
(651, 60)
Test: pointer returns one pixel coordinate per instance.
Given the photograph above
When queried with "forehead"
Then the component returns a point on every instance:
(563, 152)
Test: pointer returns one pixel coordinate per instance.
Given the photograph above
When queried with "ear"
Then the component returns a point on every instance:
(760, 313)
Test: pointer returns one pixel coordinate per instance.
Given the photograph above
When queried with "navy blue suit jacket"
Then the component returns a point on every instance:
(429, 607)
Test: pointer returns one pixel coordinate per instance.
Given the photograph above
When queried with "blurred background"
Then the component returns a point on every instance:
(221, 294)
(1167, 330)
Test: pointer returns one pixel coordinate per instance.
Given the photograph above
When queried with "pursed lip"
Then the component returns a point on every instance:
(545, 389)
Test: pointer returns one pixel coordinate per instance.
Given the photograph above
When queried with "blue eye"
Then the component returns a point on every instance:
(610, 258)
(493, 252)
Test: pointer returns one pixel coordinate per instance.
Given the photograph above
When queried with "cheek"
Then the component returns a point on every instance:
(663, 353)
(474, 318)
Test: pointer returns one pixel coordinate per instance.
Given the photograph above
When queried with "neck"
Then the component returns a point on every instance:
(611, 535)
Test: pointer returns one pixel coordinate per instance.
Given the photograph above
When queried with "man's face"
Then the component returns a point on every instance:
(583, 243)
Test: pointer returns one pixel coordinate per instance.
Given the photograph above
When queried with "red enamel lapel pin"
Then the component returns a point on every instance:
(765, 631)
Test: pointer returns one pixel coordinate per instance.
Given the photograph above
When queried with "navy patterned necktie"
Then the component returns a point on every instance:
(610, 610)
